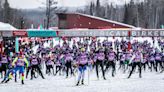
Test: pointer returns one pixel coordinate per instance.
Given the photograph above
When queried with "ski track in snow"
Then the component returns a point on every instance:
(150, 82)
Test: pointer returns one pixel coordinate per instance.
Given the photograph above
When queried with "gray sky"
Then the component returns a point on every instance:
(38, 3)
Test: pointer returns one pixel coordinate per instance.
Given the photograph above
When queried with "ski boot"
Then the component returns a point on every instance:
(43, 77)
(15, 80)
(77, 83)
(7, 80)
(22, 81)
(140, 76)
(82, 82)
(104, 78)
(2, 81)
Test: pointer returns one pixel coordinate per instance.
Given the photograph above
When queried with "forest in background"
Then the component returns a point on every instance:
(145, 14)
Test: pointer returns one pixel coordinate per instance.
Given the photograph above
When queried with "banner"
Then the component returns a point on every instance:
(149, 33)
(85, 33)
(43, 33)
(7, 34)
(20, 33)
(112, 33)
(94, 33)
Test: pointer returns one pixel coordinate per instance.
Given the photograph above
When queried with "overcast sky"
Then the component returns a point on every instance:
(27, 4)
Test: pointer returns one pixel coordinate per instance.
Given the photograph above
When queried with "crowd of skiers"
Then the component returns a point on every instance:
(83, 55)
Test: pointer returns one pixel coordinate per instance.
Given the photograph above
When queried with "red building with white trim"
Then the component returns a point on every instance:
(78, 20)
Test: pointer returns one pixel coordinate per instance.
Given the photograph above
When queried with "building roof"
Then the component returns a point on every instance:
(6, 26)
(102, 19)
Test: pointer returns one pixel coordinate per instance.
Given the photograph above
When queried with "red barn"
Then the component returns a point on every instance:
(78, 20)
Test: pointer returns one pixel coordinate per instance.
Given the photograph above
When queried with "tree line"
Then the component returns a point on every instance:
(11, 15)
(31, 18)
(145, 14)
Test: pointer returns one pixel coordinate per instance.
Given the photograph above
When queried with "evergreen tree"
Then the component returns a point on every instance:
(91, 8)
(7, 10)
(126, 16)
(98, 8)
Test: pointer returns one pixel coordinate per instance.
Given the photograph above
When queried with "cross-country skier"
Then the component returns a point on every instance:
(35, 66)
(82, 62)
(158, 59)
(19, 63)
(100, 58)
(68, 62)
(49, 65)
(111, 61)
(136, 60)
(4, 64)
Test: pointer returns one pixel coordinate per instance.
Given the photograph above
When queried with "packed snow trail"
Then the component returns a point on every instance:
(150, 82)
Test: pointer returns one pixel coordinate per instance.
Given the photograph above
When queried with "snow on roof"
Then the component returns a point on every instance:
(111, 21)
(6, 26)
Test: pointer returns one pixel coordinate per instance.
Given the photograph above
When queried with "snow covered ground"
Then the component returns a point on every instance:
(150, 82)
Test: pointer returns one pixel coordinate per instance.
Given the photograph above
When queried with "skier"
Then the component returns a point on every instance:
(35, 66)
(158, 59)
(82, 65)
(29, 67)
(100, 58)
(19, 63)
(145, 61)
(49, 65)
(122, 60)
(152, 61)
(1, 69)
(59, 63)
(10, 72)
(111, 61)
(68, 62)
(136, 60)
(128, 56)
(4, 64)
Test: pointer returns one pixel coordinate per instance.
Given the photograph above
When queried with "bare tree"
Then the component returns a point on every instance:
(50, 7)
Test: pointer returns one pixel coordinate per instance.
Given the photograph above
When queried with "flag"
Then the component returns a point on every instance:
(40, 26)
(162, 26)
